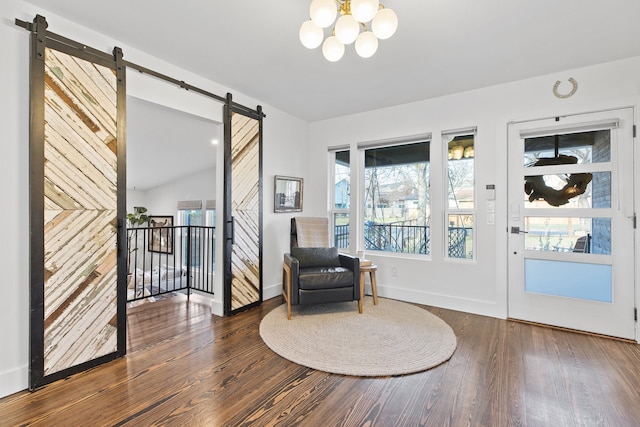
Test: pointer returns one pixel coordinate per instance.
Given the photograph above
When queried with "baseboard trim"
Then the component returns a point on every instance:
(14, 381)
(271, 291)
(467, 305)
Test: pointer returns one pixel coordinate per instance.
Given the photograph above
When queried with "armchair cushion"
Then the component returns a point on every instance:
(316, 257)
(325, 278)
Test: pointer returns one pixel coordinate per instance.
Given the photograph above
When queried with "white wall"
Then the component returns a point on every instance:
(136, 198)
(163, 199)
(479, 286)
(292, 160)
(14, 253)
(285, 137)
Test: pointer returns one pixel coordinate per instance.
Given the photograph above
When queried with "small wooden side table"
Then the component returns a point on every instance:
(371, 269)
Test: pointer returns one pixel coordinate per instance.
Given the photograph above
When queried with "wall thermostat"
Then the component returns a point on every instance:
(491, 192)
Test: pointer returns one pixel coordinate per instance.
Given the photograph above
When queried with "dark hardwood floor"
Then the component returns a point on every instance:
(187, 368)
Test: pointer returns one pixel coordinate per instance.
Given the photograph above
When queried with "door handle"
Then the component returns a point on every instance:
(516, 230)
(233, 230)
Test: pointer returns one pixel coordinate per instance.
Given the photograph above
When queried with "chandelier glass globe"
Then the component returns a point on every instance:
(384, 24)
(347, 29)
(323, 12)
(366, 44)
(332, 49)
(311, 35)
(364, 10)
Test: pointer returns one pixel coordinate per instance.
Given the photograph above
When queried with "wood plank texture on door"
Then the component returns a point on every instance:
(80, 212)
(245, 181)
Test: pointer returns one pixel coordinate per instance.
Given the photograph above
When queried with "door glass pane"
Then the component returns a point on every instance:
(460, 236)
(584, 147)
(584, 235)
(568, 279)
(578, 190)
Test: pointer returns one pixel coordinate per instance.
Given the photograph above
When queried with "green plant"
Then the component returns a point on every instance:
(138, 217)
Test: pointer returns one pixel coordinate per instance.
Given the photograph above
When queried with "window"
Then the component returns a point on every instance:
(581, 190)
(209, 232)
(396, 207)
(341, 197)
(460, 182)
(190, 214)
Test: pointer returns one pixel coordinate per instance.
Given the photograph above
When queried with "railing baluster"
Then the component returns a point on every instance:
(197, 257)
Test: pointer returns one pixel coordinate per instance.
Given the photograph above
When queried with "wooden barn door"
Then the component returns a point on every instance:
(77, 197)
(243, 209)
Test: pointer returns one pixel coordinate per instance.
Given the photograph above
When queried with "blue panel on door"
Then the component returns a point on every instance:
(568, 279)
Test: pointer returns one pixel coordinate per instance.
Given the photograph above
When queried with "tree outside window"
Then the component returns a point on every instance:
(396, 198)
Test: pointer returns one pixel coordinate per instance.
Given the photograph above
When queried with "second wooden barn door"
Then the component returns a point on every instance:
(243, 209)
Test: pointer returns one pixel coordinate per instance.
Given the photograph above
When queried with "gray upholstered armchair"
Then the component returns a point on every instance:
(315, 273)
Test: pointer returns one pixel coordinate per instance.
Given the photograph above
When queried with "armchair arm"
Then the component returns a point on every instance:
(352, 263)
(294, 266)
(349, 261)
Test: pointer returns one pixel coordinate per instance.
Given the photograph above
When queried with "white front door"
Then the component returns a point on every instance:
(571, 222)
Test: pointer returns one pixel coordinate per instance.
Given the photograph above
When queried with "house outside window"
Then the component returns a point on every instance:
(396, 198)
(340, 197)
(460, 182)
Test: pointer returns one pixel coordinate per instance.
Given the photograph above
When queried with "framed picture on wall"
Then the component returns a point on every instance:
(161, 234)
(287, 194)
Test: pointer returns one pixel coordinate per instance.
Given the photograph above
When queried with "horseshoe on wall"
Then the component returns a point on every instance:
(574, 88)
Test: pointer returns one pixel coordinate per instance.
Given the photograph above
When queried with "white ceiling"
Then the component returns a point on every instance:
(164, 144)
(441, 46)
(252, 47)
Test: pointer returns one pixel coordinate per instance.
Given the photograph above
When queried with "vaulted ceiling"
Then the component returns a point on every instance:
(164, 144)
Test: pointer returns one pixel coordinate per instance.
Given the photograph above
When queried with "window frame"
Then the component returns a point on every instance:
(210, 217)
(447, 210)
(183, 208)
(362, 147)
(332, 196)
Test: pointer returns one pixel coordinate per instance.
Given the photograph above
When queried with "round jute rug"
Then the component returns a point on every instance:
(391, 338)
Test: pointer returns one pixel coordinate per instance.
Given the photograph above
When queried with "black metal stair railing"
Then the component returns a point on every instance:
(185, 260)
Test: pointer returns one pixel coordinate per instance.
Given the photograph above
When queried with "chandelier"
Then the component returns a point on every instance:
(349, 28)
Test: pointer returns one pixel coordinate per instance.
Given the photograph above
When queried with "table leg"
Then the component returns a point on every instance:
(374, 288)
(361, 292)
(286, 287)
